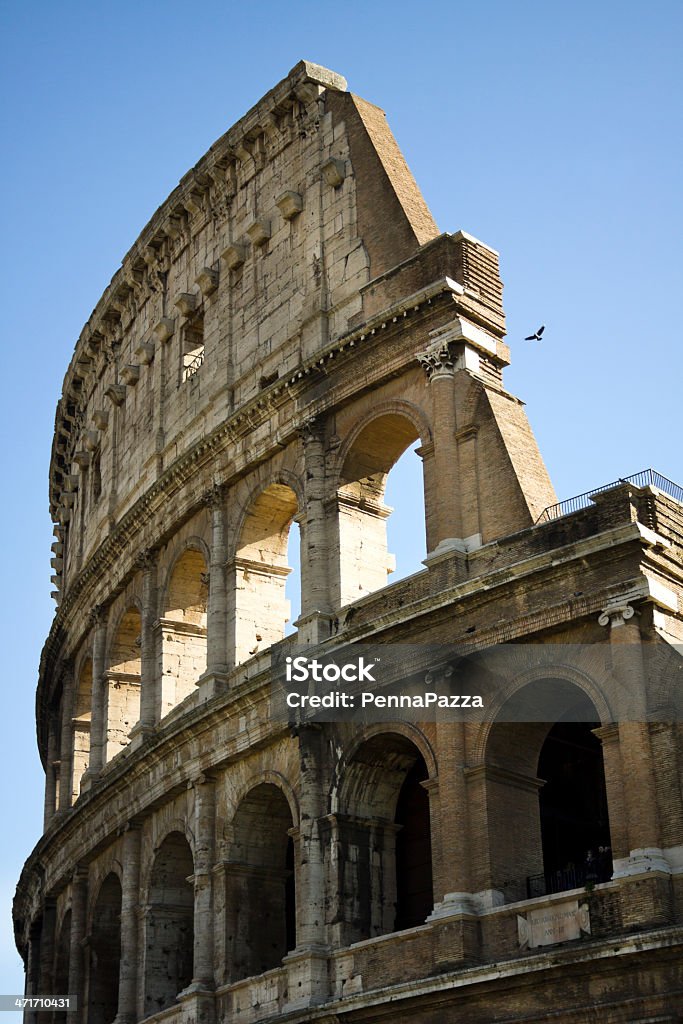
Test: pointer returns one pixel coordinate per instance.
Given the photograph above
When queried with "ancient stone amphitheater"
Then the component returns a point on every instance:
(288, 323)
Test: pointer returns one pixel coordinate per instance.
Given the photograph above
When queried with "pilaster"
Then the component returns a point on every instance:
(147, 562)
(79, 899)
(66, 745)
(315, 621)
(130, 901)
(204, 857)
(218, 661)
(97, 726)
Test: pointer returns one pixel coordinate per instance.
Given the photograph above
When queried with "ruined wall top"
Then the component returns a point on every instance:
(254, 262)
(300, 225)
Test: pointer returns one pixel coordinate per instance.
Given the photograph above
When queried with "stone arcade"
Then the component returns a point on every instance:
(285, 327)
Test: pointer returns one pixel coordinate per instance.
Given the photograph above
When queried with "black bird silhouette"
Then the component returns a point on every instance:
(537, 335)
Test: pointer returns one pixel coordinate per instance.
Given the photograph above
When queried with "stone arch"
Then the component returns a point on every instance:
(169, 923)
(383, 835)
(104, 951)
(367, 456)
(122, 686)
(183, 624)
(260, 567)
(540, 790)
(390, 406)
(194, 543)
(81, 724)
(566, 673)
(406, 729)
(154, 842)
(267, 776)
(260, 882)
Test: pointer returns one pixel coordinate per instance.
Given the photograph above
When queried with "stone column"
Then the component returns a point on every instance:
(32, 986)
(640, 795)
(310, 899)
(130, 901)
(452, 877)
(67, 739)
(97, 724)
(217, 664)
(149, 683)
(204, 856)
(79, 899)
(47, 947)
(667, 764)
(441, 491)
(316, 607)
(50, 777)
(614, 785)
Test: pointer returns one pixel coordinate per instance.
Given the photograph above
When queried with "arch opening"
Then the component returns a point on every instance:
(363, 513)
(261, 571)
(81, 720)
(184, 629)
(105, 953)
(545, 795)
(384, 837)
(261, 918)
(573, 806)
(122, 689)
(169, 924)
(293, 582)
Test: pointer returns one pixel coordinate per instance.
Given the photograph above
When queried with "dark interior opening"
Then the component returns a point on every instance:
(414, 894)
(573, 803)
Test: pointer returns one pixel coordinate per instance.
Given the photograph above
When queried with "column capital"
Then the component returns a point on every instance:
(80, 874)
(616, 614)
(98, 615)
(133, 825)
(205, 778)
(214, 497)
(437, 360)
(146, 559)
(310, 429)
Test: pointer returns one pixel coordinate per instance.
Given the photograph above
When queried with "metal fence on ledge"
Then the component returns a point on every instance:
(646, 478)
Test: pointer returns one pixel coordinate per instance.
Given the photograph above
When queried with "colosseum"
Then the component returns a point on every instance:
(288, 323)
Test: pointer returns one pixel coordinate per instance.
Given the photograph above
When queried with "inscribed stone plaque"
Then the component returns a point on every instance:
(561, 922)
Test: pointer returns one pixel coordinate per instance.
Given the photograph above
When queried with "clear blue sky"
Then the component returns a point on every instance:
(551, 131)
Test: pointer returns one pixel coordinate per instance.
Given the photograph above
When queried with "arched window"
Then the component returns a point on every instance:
(384, 839)
(183, 629)
(105, 953)
(364, 561)
(81, 728)
(122, 691)
(261, 571)
(261, 917)
(169, 924)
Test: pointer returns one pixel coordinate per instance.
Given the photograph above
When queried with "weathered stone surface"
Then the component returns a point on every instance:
(204, 860)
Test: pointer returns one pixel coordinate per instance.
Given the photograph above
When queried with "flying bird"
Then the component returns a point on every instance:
(537, 335)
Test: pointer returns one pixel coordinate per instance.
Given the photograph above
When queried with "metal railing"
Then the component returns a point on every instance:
(646, 478)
